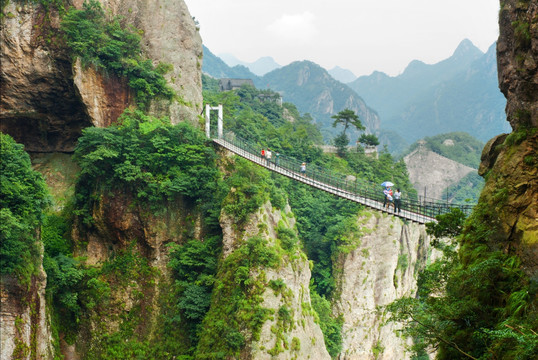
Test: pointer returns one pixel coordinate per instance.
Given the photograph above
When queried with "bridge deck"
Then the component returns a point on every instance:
(404, 214)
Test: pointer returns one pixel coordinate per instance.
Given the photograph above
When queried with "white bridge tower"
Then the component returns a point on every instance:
(208, 122)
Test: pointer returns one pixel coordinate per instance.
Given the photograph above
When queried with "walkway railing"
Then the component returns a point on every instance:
(420, 210)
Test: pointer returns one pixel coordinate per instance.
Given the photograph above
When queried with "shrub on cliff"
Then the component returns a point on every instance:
(23, 197)
(109, 46)
(147, 157)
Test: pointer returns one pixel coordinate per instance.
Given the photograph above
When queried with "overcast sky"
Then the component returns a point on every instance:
(359, 35)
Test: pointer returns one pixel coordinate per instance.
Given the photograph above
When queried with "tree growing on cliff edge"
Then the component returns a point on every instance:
(346, 118)
(369, 140)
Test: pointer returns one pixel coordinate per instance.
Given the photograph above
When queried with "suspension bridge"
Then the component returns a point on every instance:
(421, 210)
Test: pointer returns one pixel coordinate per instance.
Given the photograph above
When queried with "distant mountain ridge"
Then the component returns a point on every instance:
(343, 75)
(259, 67)
(215, 67)
(457, 94)
(389, 94)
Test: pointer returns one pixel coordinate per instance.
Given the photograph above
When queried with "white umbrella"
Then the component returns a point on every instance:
(387, 183)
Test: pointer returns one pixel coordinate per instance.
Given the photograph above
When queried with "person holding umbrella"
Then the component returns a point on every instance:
(388, 194)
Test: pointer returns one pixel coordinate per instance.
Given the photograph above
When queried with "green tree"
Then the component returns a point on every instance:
(147, 157)
(346, 118)
(447, 225)
(193, 266)
(340, 142)
(23, 197)
(370, 140)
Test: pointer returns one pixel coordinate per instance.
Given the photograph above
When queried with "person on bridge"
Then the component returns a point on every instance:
(268, 156)
(388, 197)
(263, 153)
(398, 200)
(303, 168)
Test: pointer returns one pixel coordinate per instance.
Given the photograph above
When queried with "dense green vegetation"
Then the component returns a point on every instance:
(23, 198)
(147, 157)
(194, 265)
(239, 297)
(108, 45)
(155, 164)
(475, 302)
(330, 326)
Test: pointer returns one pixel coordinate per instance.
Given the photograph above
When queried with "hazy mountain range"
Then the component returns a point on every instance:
(457, 94)
(342, 75)
(259, 67)
(267, 64)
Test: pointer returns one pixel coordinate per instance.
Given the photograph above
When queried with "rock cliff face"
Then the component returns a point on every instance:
(25, 331)
(433, 172)
(299, 337)
(510, 163)
(46, 100)
(381, 269)
(169, 36)
(39, 105)
(517, 61)
(124, 230)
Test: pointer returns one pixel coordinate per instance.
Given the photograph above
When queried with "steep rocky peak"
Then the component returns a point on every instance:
(414, 67)
(466, 49)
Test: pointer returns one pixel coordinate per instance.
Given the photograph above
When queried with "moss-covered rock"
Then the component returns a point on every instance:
(508, 207)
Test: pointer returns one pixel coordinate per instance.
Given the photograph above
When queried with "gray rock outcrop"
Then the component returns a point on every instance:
(433, 172)
(301, 338)
(517, 61)
(25, 331)
(169, 35)
(39, 106)
(381, 269)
